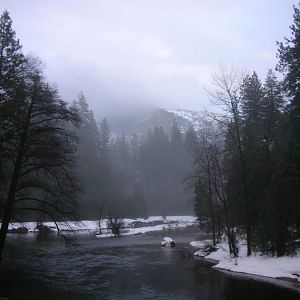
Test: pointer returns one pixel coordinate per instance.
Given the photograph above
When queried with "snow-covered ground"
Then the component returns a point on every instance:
(130, 227)
(275, 267)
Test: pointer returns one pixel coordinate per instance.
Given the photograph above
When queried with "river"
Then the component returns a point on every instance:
(131, 267)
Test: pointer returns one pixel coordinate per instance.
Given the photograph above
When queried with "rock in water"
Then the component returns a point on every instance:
(167, 242)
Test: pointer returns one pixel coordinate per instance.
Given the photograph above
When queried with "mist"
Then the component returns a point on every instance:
(128, 54)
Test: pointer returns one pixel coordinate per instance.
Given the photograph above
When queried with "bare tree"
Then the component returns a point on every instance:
(101, 214)
(115, 224)
(38, 148)
(226, 96)
(210, 165)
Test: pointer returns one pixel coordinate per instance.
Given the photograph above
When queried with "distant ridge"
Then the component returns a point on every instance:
(142, 122)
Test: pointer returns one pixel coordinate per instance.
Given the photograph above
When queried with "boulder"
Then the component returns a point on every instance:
(43, 229)
(20, 230)
(167, 242)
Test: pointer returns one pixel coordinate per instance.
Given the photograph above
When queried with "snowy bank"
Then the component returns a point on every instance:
(130, 227)
(153, 224)
(285, 268)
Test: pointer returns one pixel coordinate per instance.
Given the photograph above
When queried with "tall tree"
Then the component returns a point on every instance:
(270, 224)
(227, 95)
(39, 149)
(191, 141)
(105, 161)
(289, 65)
(87, 162)
(11, 57)
(11, 62)
(212, 202)
(251, 98)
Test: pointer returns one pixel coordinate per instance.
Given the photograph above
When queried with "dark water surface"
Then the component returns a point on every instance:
(132, 267)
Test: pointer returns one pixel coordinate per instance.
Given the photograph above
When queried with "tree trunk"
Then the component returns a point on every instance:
(9, 206)
(5, 223)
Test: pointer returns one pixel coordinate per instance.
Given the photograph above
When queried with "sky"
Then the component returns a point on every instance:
(130, 53)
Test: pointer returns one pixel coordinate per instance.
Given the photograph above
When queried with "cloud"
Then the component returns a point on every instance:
(158, 52)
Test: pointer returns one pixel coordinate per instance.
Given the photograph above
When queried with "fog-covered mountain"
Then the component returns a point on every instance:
(141, 122)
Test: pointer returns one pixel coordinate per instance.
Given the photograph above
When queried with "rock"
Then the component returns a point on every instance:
(200, 253)
(167, 242)
(20, 230)
(205, 247)
(43, 229)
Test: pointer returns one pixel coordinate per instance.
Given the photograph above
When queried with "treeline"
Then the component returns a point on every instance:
(132, 176)
(247, 179)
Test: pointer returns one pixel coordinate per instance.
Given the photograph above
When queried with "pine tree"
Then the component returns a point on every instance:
(270, 146)
(135, 160)
(251, 94)
(88, 164)
(11, 57)
(289, 65)
(104, 145)
(191, 141)
(105, 161)
(251, 98)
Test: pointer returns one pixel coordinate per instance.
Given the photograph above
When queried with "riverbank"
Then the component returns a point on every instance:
(283, 268)
(129, 227)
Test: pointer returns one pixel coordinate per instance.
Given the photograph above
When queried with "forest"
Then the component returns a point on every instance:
(248, 159)
(149, 171)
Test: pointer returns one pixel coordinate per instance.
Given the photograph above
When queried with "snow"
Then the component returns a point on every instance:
(193, 117)
(265, 266)
(171, 222)
(167, 242)
(256, 264)
(153, 223)
(200, 244)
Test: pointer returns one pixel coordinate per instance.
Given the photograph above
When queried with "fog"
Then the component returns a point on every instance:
(125, 54)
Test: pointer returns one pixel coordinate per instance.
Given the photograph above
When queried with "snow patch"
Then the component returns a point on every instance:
(193, 117)
(256, 264)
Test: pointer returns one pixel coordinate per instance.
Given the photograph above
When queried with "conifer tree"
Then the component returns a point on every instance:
(87, 164)
(105, 161)
(11, 57)
(289, 65)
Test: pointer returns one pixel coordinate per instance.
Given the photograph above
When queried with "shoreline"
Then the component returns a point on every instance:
(281, 282)
(282, 271)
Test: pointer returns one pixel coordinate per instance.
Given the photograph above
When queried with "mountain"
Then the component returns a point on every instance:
(139, 123)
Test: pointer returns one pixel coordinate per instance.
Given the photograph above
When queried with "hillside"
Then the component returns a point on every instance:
(140, 123)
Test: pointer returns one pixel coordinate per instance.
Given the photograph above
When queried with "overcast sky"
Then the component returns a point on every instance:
(158, 52)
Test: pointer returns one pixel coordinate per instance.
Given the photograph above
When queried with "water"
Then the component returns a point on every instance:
(132, 267)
